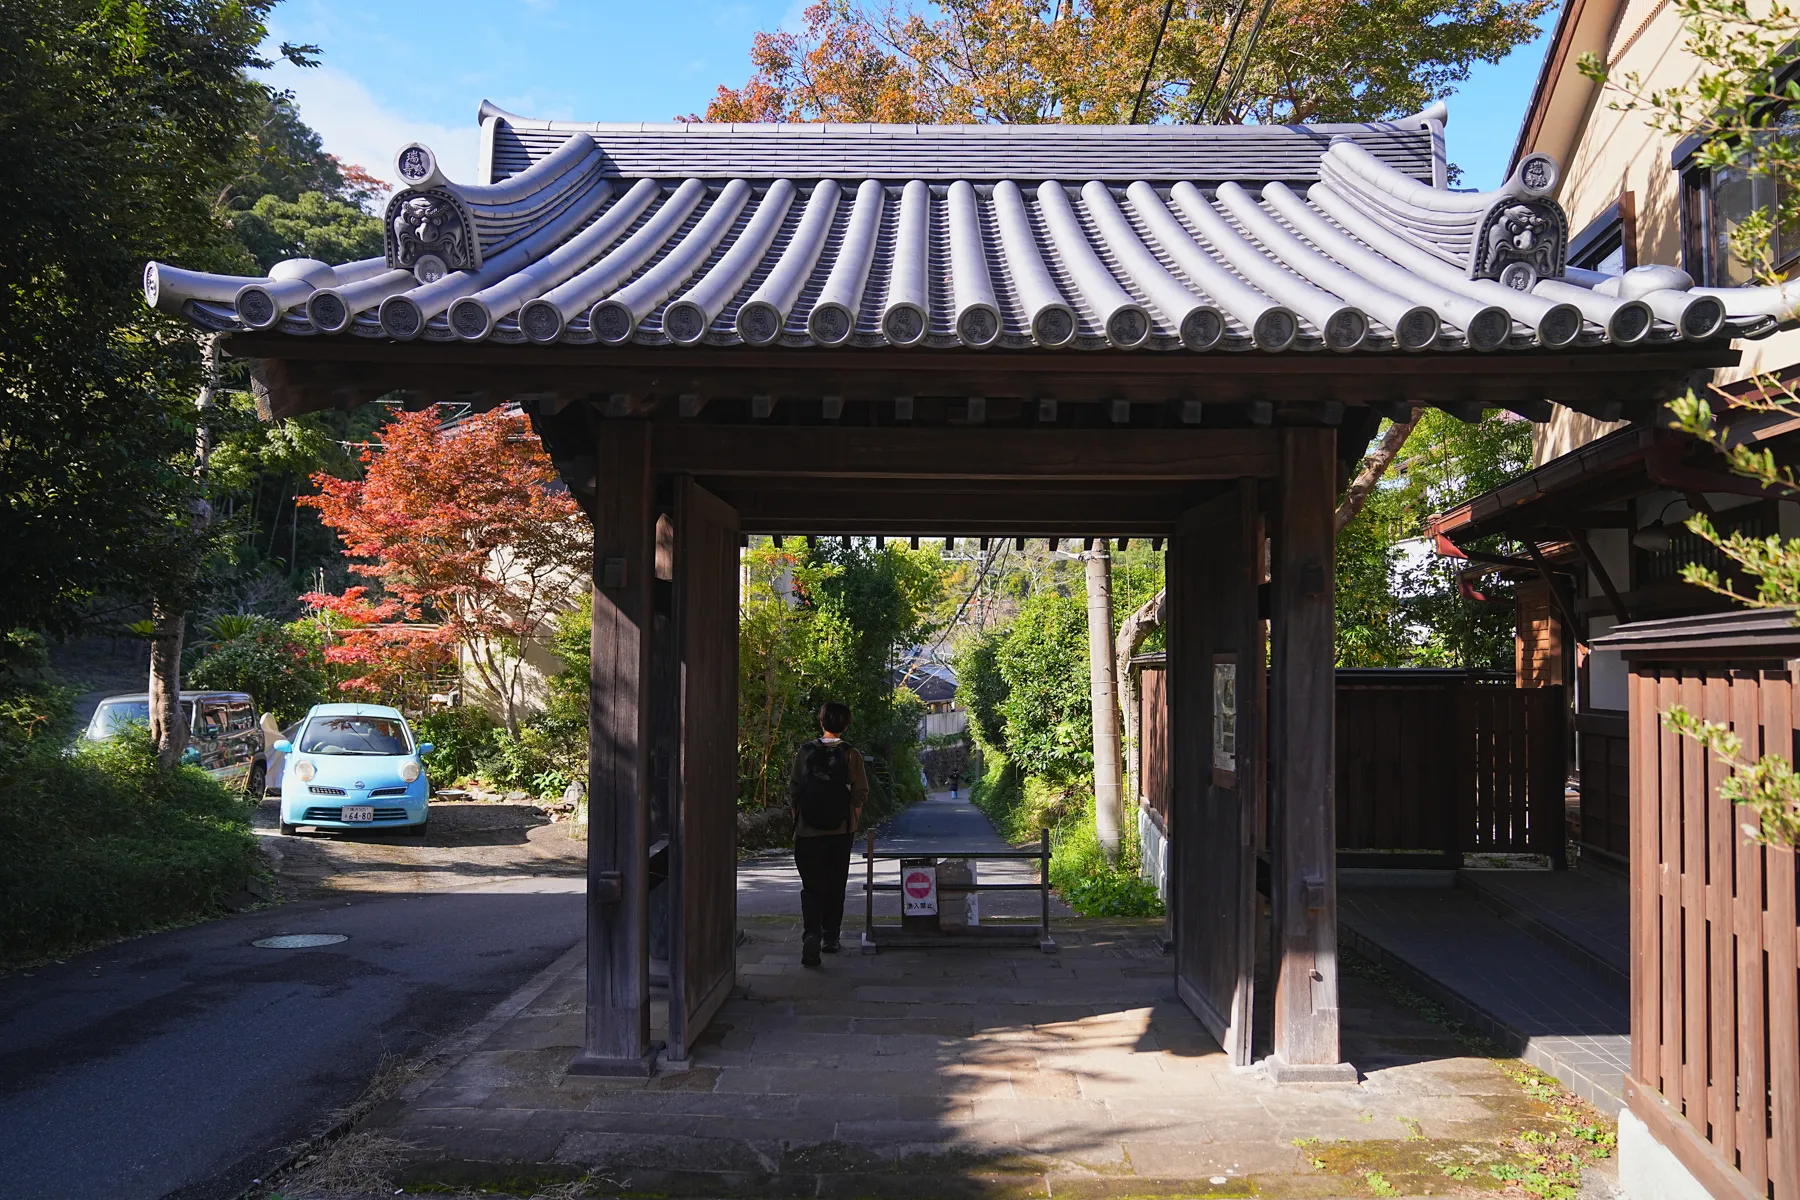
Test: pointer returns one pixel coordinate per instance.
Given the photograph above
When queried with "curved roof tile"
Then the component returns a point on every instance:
(1161, 237)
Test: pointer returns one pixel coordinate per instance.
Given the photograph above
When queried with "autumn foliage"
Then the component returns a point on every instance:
(1034, 61)
(471, 546)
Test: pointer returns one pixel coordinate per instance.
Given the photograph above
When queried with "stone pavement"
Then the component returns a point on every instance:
(1533, 959)
(954, 1073)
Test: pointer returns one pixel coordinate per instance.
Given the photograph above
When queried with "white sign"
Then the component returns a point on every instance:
(918, 891)
(1224, 714)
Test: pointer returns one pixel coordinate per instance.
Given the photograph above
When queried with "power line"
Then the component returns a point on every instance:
(1150, 67)
(1243, 64)
(1237, 15)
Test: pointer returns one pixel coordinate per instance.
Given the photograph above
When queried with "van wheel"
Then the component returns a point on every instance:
(289, 830)
(258, 781)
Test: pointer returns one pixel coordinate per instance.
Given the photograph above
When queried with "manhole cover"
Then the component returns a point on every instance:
(300, 941)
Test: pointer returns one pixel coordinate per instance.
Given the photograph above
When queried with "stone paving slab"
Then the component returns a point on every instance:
(949, 1073)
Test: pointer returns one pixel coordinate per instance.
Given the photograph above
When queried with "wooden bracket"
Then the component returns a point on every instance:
(607, 887)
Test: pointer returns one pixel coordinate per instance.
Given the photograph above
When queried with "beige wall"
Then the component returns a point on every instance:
(1606, 152)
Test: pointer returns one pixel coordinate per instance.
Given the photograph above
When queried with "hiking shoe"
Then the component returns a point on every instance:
(829, 945)
(809, 952)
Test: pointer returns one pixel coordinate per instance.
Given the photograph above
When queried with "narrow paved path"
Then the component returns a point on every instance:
(768, 885)
(938, 824)
(177, 1064)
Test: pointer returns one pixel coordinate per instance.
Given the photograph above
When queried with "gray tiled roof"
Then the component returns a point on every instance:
(1165, 237)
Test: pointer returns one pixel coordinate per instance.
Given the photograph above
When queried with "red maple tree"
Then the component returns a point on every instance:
(473, 544)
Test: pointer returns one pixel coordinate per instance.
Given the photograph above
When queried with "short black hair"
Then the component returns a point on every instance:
(834, 717)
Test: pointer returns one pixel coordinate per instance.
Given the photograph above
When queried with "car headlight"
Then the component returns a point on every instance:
(409, 771)
(305, 770)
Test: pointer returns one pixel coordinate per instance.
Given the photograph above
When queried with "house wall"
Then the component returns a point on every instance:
(1537, 643)
(945, 724)
(1606, 153)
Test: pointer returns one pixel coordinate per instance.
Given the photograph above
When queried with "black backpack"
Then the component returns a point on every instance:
(823, 796)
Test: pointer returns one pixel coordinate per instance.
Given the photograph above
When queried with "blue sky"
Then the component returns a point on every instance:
(395, 73)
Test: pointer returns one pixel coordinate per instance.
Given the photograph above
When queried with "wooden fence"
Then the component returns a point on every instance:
(1447, 762)
(1605, 785)
(1715, 1027)
(1431, 765)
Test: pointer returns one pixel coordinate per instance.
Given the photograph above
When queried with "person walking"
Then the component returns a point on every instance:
(826, 788)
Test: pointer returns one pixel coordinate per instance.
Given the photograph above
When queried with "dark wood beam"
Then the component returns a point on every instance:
(864, 509)
(890, 453)
(304, 374)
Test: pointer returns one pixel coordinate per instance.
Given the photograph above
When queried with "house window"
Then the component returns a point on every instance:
(1608, 243)
(1651, 567)
(1715, 202)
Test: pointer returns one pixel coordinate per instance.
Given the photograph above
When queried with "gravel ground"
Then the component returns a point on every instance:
(470, 841)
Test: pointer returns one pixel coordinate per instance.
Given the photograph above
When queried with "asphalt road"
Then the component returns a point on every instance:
(180, 1063)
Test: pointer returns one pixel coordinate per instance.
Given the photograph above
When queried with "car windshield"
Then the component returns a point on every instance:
(116, 715)
(355, 735)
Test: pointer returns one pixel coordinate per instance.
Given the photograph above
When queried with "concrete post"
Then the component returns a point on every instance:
(1104, 689)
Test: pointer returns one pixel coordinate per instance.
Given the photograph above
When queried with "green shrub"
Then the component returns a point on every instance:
(264, 658)
(1087, 883)
(99, 843)
(537, 761)
(459, 739)
(999, 793)
(1020, 806)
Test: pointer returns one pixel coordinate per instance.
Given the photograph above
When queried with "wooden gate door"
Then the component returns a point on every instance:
(703, 825)
(1216, 688)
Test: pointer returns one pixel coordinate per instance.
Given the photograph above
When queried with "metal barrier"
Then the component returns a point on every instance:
(898, 936)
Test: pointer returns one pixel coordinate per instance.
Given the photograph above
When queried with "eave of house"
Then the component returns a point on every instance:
(1562, 96)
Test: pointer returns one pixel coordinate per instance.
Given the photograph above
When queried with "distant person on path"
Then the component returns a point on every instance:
(955, 778)
(827, 788)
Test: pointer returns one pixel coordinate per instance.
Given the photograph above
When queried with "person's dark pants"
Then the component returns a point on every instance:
(824, 866)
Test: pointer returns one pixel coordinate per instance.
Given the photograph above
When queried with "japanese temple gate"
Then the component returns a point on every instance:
(722, 331)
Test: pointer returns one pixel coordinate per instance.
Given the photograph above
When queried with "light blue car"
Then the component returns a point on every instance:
(354, 766)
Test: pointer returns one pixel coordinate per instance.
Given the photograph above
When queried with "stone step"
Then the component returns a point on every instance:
(1587, 920)
(1548, 1007)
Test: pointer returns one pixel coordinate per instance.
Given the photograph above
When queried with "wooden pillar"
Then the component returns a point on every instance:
(1302, 753)
(619, 779)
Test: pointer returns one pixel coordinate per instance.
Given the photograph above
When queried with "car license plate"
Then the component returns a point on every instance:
(359, 812)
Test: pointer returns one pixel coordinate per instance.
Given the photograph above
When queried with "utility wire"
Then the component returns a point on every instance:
(1000, 554)
(1150, 67)
(1237, 15)
(1243, 63)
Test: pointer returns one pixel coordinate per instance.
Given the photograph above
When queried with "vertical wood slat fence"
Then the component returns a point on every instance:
(1715, 1070)
(1447, 763)
(1605, 785)
(1431, 765)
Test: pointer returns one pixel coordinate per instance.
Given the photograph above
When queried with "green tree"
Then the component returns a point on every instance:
(1048, 713)
(1030, 61)
(123, 124)
(981, 687)
(828, 623)
(312, 226)
(1392, 616)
